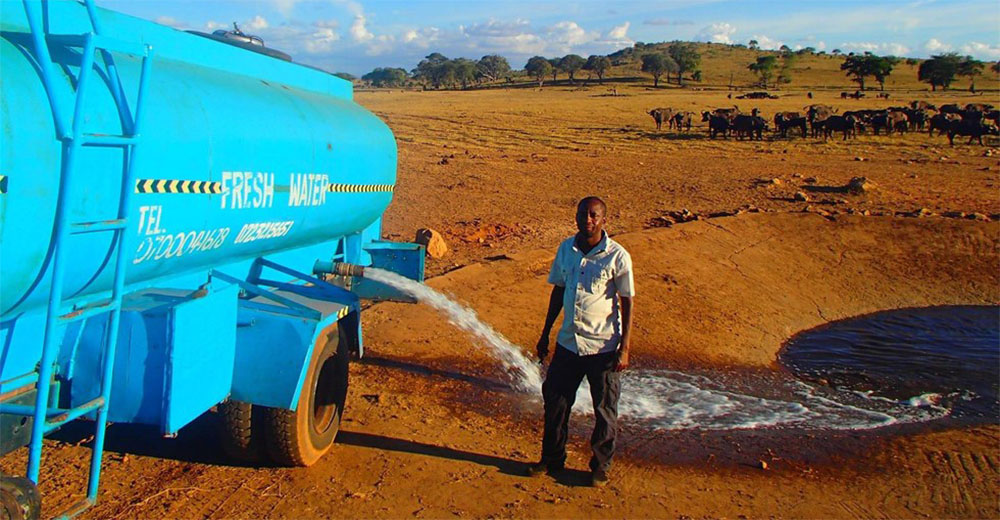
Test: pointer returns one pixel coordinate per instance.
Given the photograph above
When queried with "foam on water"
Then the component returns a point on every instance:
(664, 399)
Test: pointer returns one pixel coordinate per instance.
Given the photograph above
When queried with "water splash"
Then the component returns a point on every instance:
(528, 377)
(670, 400)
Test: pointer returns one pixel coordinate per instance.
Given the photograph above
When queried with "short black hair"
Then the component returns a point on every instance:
(587, 200)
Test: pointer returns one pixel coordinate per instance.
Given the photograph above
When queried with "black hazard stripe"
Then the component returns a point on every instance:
(176, 186)
(3, 184)
(361, 188)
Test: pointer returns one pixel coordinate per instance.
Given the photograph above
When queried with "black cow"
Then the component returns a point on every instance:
(845, 124)
(716, 124)
(941, 123)
(973, 129)
(749, 126)
(783, 121)
(683, 119)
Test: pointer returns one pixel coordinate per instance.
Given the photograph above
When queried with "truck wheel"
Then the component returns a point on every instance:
(242, 431)
(19, 499)
(301, 437)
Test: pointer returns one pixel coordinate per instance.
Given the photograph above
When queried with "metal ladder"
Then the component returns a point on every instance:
(47, 416)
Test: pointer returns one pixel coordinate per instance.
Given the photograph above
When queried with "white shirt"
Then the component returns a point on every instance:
(593, 282)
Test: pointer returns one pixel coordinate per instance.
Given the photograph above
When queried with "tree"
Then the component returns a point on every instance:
(464, 71)
(539, 68)
(493, 67)
(571, 64)
(970, 68)
(995, 67)
(598, 65)
(785, 74)
(939, 70)
(435, 69)
(386, 77)
(753, 45)
(784, 49)
(806, 50)
(687, 58)
(345, 75)
(656, 65)
(868, 64)
(764, 67)
(554, 62)
(835, 52)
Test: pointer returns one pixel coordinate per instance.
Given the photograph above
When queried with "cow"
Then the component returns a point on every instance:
(992, 115)
(973, 129)
(683, 119)
(950, 108)
(661, 115)
(845, 124)
(786, 120)
(942, 122)
(749, 126)
(898, 121)
(816, 114)
(918, 118)
(882, 95)
(716, 124)
(880, 120)
(922, 105)
(978, 107)
(728, 113)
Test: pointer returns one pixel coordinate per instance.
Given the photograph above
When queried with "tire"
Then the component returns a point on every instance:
(19, 499)
(301, 437)
(242, 431)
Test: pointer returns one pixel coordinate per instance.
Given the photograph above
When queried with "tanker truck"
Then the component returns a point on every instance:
(183, 223)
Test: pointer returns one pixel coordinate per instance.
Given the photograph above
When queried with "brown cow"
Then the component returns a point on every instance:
(661, 115)
(683, 119)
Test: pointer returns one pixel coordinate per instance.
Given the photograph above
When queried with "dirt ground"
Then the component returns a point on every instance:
(432, 429)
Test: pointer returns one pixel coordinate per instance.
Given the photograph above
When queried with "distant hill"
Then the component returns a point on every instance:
(722, 64)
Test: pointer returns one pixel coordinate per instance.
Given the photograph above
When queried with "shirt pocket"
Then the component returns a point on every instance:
(598, 279)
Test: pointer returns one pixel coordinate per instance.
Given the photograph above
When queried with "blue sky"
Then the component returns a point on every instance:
(357, 36)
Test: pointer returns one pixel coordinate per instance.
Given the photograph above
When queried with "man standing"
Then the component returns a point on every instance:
(592, 282)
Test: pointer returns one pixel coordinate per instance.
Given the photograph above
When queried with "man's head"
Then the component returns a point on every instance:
(591, 214)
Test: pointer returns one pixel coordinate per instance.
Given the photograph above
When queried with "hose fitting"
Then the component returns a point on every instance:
(338, 268)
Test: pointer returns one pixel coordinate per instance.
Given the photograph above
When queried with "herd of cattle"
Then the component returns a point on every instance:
(974, 120)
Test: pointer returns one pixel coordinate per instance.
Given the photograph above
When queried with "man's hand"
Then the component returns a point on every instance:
(622, 360)
(543, 346)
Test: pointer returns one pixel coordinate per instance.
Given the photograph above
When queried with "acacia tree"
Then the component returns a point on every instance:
(464, 71)
(970, 68)
(687, 58)
(539, 68)
(753, 45)
(493, 67)
(939, 70)
(657, 64)
(764, 67)
(598, 65)
(554, 62)
(864, 65)
(571, 64)
(385, 77)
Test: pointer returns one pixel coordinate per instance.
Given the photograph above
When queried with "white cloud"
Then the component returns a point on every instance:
(885, 48)
(170, 21)
(717, 33)
(257, 23)
(359, 30)
(767, 43)
(326, 24)
(212, 25)
(284, 6)
(495, 36)
(321, 41)
(982, 50)
(563, 36)
(619, 32)
(934, 45)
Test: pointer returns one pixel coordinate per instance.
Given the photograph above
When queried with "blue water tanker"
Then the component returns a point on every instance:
(164, 199)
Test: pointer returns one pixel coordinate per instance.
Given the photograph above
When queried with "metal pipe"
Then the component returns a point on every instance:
(322, 267)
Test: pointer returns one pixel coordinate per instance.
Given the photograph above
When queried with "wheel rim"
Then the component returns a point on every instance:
(324, 408)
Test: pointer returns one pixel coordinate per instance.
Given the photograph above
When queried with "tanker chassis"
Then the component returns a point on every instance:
(177, 220)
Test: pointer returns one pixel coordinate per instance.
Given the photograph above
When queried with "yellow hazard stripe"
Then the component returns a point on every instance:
(3, 184)
(361, 188)
(343, 312)
(176, 186)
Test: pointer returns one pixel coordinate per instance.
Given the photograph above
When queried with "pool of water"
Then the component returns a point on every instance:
(945, 356)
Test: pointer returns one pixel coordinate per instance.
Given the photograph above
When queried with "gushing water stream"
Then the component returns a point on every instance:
(663, 399)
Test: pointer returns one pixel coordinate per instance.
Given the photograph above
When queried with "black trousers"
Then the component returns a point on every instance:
(562, 380)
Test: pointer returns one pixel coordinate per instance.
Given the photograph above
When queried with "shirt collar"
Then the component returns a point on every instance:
(601, 246)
